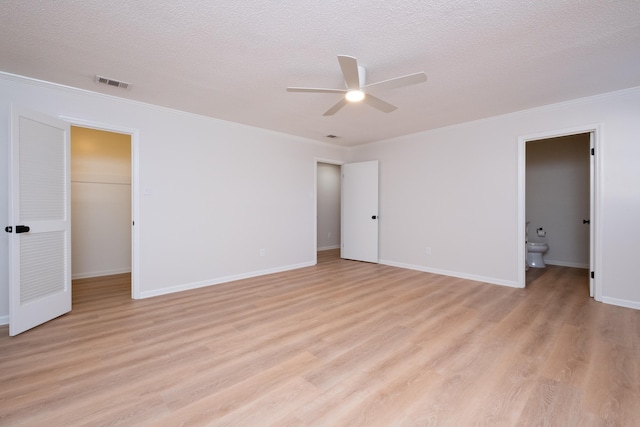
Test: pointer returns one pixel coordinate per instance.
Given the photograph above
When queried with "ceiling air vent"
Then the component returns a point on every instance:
(111, 82)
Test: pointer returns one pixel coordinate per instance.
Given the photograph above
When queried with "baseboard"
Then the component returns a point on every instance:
(328, 248)
(567, 264)
(621, 302)
(491, 280)
(4, 320)
(219, 280)
(100, 273)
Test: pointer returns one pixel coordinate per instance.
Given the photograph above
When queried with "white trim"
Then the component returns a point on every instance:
(491, 280)
(621, 302)
(567, 264)
(220, 280)
(597, 218)
(592, 214)
(100, 273)
(596, 131)
(562, 132)
(329, 161)
(135, 215)
(522, 265)
(4, 320)
(135, 190)
(328, 248)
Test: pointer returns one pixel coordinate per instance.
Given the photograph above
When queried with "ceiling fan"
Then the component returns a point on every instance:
(357, 89)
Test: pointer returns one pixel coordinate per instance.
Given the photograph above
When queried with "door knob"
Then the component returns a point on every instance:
(586, 221)
(374, 217)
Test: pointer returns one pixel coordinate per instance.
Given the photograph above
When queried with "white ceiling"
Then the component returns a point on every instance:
(233, 59)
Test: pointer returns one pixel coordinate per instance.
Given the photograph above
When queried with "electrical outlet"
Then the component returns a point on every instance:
(427, 250)
(263, 252)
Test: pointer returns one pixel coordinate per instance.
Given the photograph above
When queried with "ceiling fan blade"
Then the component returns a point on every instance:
(410, 79)
(379, 104)
(315, 90)
(349, 66)
(331, 111)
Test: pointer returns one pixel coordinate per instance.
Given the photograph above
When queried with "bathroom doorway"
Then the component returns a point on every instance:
(557, 194)
(558, 199)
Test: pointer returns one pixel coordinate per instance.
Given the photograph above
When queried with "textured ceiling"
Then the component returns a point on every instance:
(233, 59)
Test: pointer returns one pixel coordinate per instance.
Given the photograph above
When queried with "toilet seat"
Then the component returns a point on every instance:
(537, 246)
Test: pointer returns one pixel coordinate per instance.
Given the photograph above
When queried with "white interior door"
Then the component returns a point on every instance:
(359, 223)
(592, 216)
(39, 223)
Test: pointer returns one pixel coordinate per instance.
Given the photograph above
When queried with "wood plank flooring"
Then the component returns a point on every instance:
(342, 343)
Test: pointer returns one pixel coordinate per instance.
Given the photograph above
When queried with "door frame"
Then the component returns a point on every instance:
(595, 250)
(135, 190)
(315, 199)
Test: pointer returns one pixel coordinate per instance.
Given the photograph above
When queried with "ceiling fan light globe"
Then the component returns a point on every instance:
(354, 96)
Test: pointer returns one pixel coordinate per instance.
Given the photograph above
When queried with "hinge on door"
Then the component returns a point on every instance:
(593, 275)
(593, 151)
(8, 229)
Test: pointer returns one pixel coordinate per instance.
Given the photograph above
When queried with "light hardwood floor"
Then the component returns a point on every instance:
(342, 343)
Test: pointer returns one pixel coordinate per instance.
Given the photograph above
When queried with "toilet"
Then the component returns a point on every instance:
(534, 254)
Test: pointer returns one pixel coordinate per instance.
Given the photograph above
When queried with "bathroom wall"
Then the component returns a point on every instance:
(328, 206)
(557, 197)
(100, 202)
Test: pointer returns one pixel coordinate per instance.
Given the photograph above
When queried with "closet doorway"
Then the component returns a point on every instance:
(101, 203)
(328, 205)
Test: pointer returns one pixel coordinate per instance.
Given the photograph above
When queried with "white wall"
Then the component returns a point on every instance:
(557, 199)
(100, 202)
(217, 192)
(455, 190)
(328, 206)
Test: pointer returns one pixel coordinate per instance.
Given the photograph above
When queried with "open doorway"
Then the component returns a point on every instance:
(328, 217)
(101, 204)
(558, 203)
(558, 199)
(328, 206)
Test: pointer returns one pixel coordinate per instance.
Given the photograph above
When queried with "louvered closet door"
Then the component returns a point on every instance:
(40, 262)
